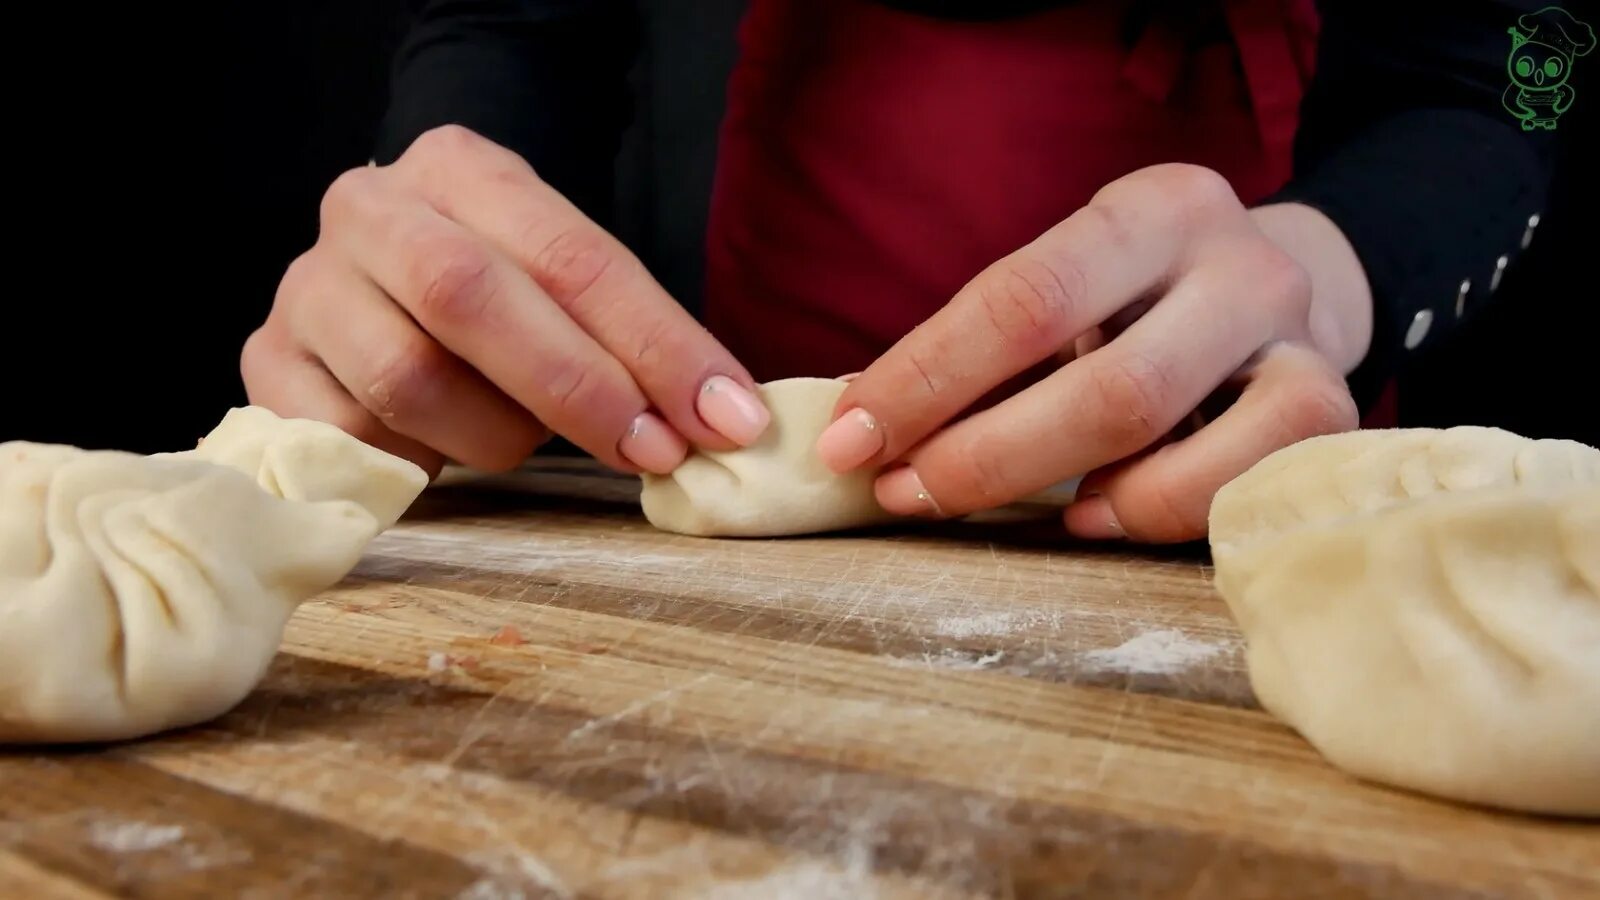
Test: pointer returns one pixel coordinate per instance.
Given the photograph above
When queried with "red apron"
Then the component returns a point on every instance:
(872, 161)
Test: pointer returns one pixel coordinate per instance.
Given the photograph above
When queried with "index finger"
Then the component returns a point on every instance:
(601, 285)
(1125, 244)
(472, 300)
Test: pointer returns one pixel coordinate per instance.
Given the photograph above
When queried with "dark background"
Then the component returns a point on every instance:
(166, 171)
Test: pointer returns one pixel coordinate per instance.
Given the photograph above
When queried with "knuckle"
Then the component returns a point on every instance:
(1194, 186)
(1169, 512)
(344, 193)
(507, 169)
(299, 279)
(1112, 218)
(452, 279)
(1281, 278)
(1030, 304)
(255, 359)
(1315, 406)
(1156, 511)
(926, 371)
(1191, 193)
(652, 345)
(443, 142)
(437, 156)
(406, 387)
(569, 387)
(982, 472)
(572, 262)
(1134, 393)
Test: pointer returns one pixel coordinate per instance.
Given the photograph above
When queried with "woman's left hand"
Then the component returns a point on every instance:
(1163, 293)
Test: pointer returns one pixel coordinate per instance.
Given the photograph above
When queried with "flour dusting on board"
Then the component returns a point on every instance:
(802, 881)
(165, 847)
(991, 624)
(529, 554)
(1160, 652)
(518, 866)
(489, 889)
(950, 658)
(133, 837)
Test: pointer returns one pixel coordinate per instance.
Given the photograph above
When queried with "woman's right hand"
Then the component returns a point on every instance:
(457, 307)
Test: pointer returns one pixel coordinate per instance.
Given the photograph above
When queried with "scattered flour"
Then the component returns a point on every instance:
(1160, 652)
(518, 866)
(950, 658)
(172, 847)
(986, 660)
(397, 551)
(133, 837)
(992, 623)
(489, 889)
(803, 881)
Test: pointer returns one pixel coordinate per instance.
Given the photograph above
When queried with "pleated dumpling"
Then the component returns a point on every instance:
(143, 593)
(777, 486)
(303, 459)
(1331, 476)
(1424, 607)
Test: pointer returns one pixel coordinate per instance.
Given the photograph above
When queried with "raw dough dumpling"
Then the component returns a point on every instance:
(777, 486)
(1424, 607)
(143, 593)
(304, 459)
(1365, 471)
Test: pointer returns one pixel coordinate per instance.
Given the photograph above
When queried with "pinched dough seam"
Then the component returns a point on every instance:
(1454, 606)
(118, 651)
(1256, 539)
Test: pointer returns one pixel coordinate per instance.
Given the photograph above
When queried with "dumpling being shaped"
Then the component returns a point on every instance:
(775, 487)
(144, 593)
(1423, 606)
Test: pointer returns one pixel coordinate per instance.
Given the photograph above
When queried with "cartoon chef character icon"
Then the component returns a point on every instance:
(1543, 46)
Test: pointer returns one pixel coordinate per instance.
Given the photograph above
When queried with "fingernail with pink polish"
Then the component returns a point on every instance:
(652, 445)
(731, 410)
(850, 441)
(901, 492)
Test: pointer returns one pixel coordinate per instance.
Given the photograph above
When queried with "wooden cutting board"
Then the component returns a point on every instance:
(526, 691)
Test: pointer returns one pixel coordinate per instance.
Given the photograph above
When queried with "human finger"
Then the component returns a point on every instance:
(1165, 497)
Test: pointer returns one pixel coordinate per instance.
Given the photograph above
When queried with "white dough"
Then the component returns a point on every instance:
(1423, 606)
(777, 486)
(143, 593)
(303, 459)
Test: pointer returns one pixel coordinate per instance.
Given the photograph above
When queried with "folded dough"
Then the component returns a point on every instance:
(777, 486)
(1423, 606)
(304, 459)
(143, 593)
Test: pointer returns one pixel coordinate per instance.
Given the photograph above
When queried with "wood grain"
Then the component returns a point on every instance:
(526, 691)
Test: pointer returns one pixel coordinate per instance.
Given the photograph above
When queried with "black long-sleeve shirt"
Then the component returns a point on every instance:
(1404, 140)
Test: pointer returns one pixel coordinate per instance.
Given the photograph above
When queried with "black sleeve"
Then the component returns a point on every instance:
(1405, 144)
(547, 79)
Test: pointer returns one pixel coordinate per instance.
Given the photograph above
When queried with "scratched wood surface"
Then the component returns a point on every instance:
(526, 691)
